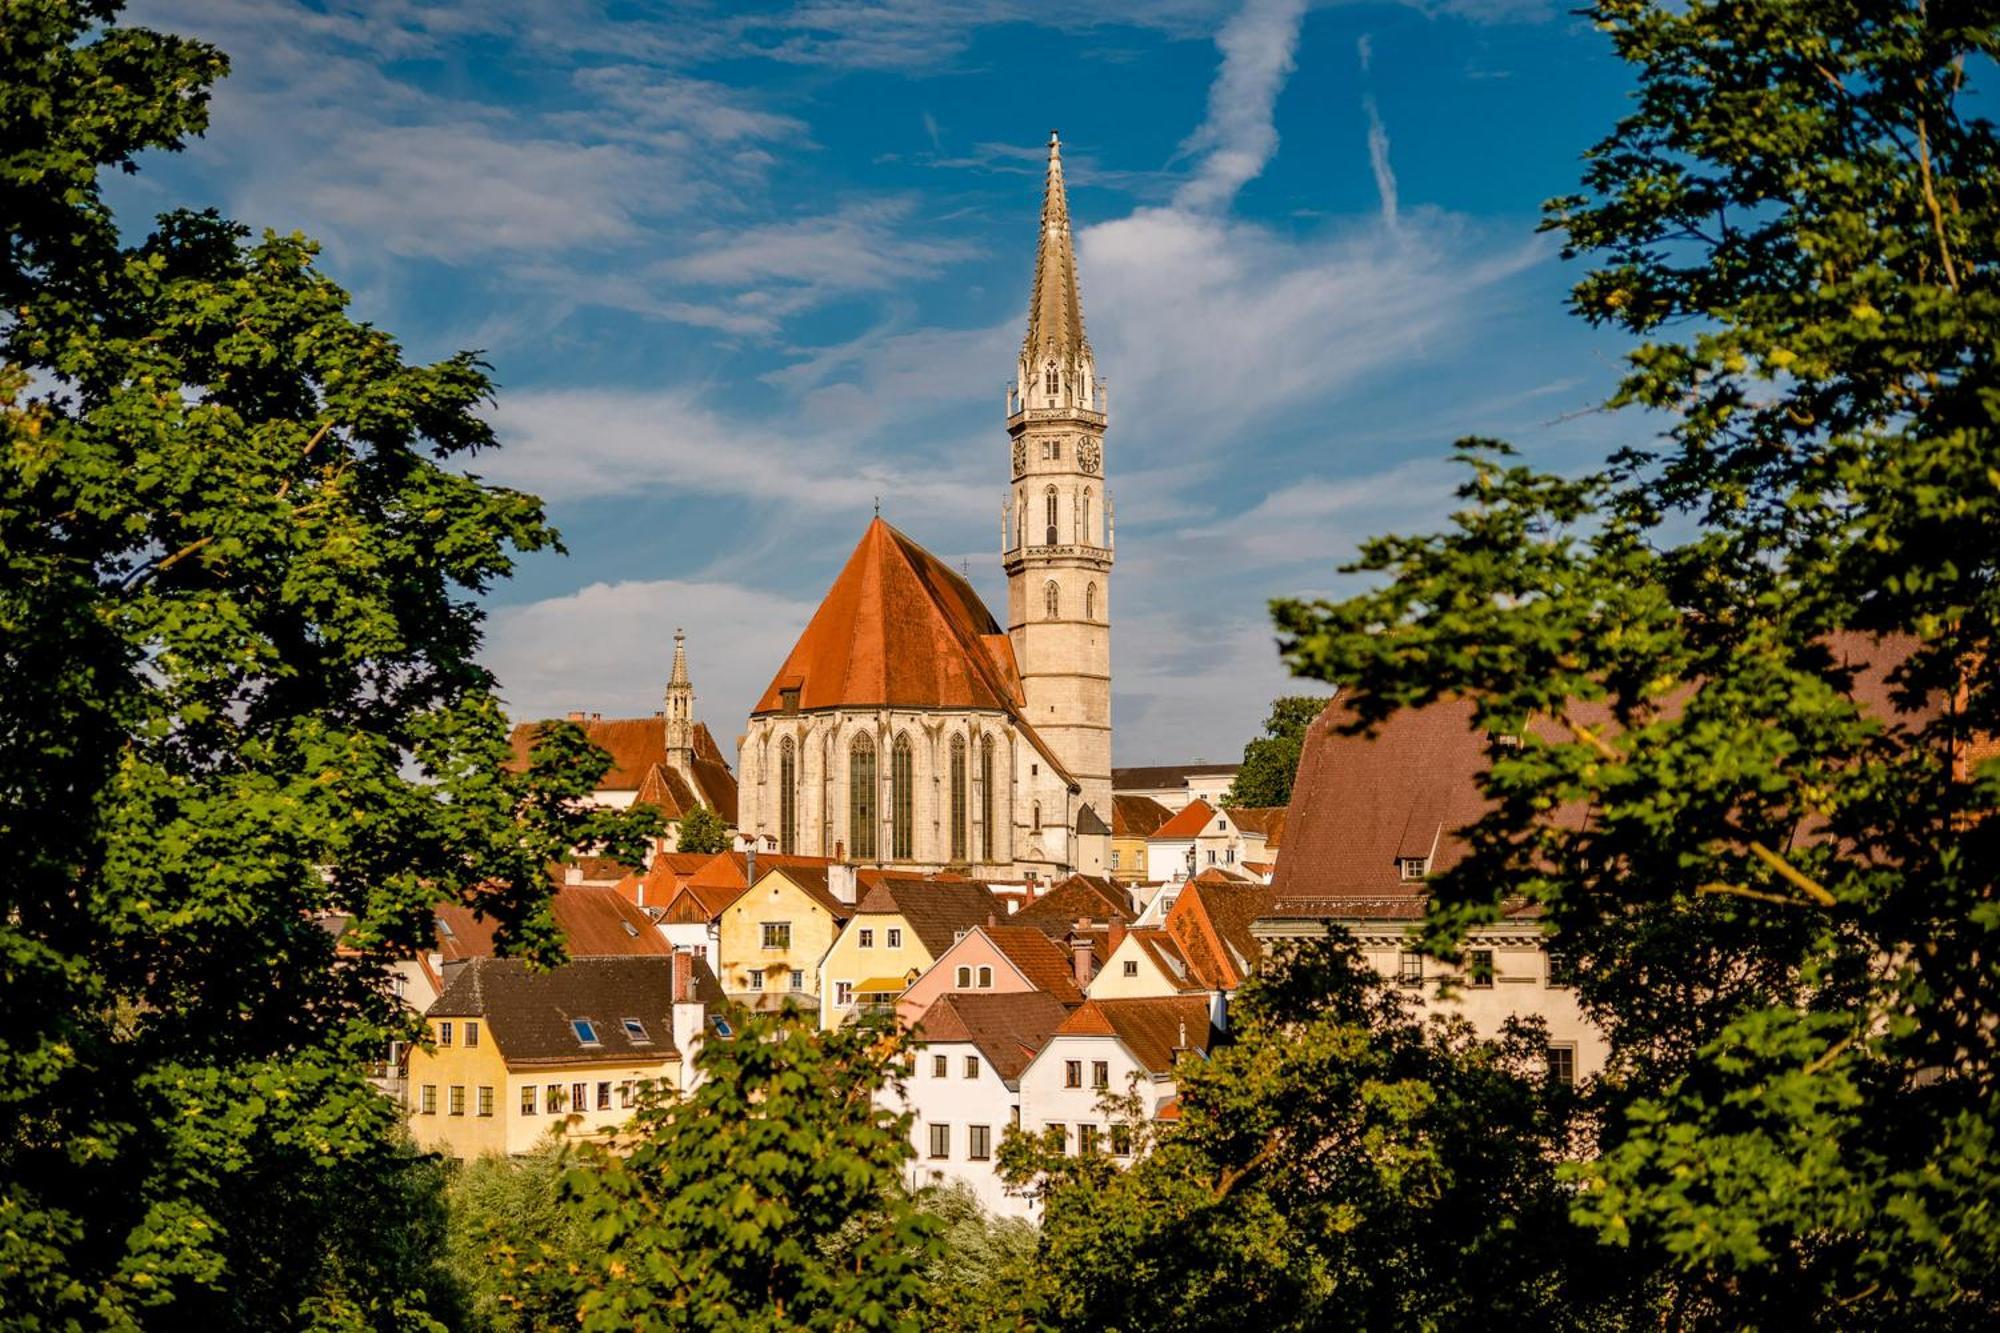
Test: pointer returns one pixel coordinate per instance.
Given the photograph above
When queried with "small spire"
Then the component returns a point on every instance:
(1055, 308)
(680, 676)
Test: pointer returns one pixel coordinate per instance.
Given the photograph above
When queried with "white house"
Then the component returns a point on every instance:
(1097, 1052)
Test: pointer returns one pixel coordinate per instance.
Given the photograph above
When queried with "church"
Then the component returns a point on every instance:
(906, 727)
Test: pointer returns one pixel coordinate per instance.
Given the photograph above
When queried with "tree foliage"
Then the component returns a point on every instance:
(1342, 1163)
(770, 1198)
(1271, 761)
(1759, 653)
(702, 830)
(238, 562)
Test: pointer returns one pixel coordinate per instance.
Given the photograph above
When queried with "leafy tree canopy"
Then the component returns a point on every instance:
(702, 830)
(1271, 761)
(1759, 653)
(245, 745)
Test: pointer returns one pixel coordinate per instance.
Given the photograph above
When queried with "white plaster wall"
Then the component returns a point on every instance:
(959, 1102)
(1044, 1099)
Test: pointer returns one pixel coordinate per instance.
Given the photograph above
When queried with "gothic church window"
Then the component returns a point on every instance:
(1050, 381)
(1083, 528)
(1049, 504)
(1090, 602)
(986, 798)
(1051, 599)
(861, 799)
(902, 799)
(788, 797)
(959, 805)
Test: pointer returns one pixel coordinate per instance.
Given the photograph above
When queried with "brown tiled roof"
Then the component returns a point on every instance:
(1078, 897)
(1046, 965)
(1007, 1027)
(900, 628)
(1152, 1028)
(663, 878)
(1137, 816)
(1212, 924)
(595, 869)
(1189, 820)
(1268, 820)
(810, 880)
(1166, 775)
(729, 870)
(635, 744)
(1091, 824)
(595, 922)
(1166, 954)
(528, 1013)
(938, 910)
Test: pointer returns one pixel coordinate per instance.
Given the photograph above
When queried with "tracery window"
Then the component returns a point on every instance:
(788, 797)
(986, 799)
(1050, 381)
(960, 807)
(1049, 499)
(902, 800)
(1090, 602)
(1051, 599)
(861, 799)
(1083, 528)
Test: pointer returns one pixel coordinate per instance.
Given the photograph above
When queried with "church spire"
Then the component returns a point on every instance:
(1055, 309)
(680, 710)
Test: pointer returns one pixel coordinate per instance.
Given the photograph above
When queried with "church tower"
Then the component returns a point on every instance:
(680, 710)
(1057, 521)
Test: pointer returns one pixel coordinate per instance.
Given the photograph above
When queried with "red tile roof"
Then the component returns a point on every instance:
(939, 910)
(1153, 1028)
(1076, 898)
(1211, 923)
(900, 628)
(1190, 820)
(1268, 820)
(1136, 816)
(1046, 965)
(1007, 1027)
(595, 922)
(638, 745)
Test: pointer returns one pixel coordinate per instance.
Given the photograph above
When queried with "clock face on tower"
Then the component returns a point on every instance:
(1088, 455)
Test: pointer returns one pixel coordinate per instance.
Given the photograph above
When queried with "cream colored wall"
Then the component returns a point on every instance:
(1131, 854)
(849, 961)
(525, 1131)
(1111, 983)
(740, 945)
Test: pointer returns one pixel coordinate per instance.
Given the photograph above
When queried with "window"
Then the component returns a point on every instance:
(1211, 856)
(627, 1094)
(1411, 971)
(1131, 967)
(1230, 856)
(1412, 867)
(902, 800)
(895, 937)
(986, 978)
(1562, 1065)
(1562, 972)
(635, 1032)
(1038, 814)
(960, 807)
(1121, 1140)
(485, 1101)
(427, 1099)
(1100, 1073)
(1051, 596)
(940, 1066)
(843, 992)
(528, 1100)
(861, 799)
(455, 1099)
(579, 1096)
(1072, 1073)
(866, 939)
(586, 1031)
(1479, 969)
(1090, 601)
(788, 698)
(972, 1066)
(721, 1026)
(798, 979)
(1114, 858)
(986, 798)
(1086, 1139)
(444, 1034)
(963, 979)
(604, 1095)
(1049, 504)
(979, 1142)
(1062, 1131)
(788, 792)
(940, 1140)
(1083, 531)
(777, 934)
(1050, 383)
(471, 1033)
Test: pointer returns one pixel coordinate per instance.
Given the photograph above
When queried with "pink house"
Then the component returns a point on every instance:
(995, 959)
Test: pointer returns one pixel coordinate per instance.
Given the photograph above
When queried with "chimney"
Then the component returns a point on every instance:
(992, 918)
(1079, 957)
(750, 866)
(683, 977)
(576, 716)
(1117, 938)
(840, 882)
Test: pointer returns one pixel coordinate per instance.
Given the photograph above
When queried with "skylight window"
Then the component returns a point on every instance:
(636, 1031)
(443, 927)
(721, 1026)
(630, 929)
(586, 1031)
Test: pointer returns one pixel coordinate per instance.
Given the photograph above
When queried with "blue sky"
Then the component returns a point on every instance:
(741, 270)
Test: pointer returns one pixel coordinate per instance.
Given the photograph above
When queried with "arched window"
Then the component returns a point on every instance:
(1084, 529)
(788, 797)
(986, 799)
(861, 800)
(960, 806)
(1051, 599)
(986, 978)
(1038, 814)
(1049, 499)
(902, 800)
(964, 978)
(1050, 381)
(1090, 602)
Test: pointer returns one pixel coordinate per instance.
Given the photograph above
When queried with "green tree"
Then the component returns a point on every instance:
(702, 830)
(511, 1240)
(1781, 904)
(771, 1197)
(238, 569)
(984, 1269)
(1340, 1163)
(1271, 761)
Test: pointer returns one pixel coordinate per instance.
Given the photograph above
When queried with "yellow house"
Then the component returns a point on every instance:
(774, 935)
(1133, 819)
(515, 1053)
(902, 925)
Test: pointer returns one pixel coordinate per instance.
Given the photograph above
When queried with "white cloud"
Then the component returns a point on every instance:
(1378, 162)
(1239, 135)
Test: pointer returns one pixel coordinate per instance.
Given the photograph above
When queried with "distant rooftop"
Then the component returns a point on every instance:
(1167, 775)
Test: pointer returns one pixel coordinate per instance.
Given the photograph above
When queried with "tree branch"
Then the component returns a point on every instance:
(1793, 876)
(1717, 888)
(1931, 202)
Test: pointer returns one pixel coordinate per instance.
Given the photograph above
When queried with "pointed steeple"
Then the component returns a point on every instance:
(680, 676)
(680, 710)
(1055, 309)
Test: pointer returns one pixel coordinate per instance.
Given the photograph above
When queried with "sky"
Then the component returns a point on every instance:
(744, 271)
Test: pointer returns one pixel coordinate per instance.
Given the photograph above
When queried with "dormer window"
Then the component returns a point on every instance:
(586, 1031)
(1412, 867)
(635, 1032)
(788, 699)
